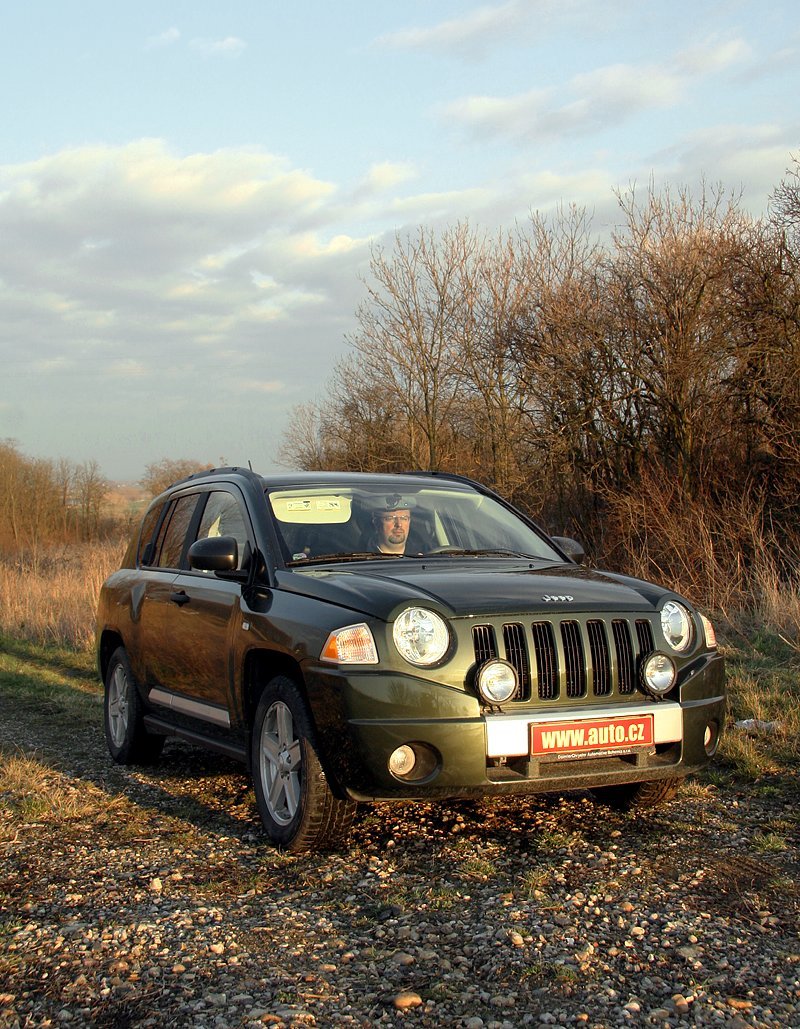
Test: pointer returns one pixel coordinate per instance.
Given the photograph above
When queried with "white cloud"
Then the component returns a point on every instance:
(594, 100)
(46, 366)
(385, 176)
(713, 56)
(138, 280)
(166, 38)
(230, 46)
(256, 386)
(180, 236)
(736, 155)
(472, 34)
(128, 368)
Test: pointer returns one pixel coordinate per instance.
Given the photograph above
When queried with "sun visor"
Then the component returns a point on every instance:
(322, 509)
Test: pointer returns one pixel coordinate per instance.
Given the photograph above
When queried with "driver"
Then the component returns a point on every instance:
(391, 522)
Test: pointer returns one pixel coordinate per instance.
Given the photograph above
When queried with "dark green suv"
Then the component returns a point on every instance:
(357, 637)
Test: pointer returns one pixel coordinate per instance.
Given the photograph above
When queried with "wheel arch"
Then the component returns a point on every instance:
(261, 666)
(110, 639)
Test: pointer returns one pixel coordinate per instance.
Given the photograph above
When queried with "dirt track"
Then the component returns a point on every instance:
(133, 898)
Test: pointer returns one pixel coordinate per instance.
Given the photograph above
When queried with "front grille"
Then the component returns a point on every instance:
(570, 659)
(517, 655)
(546, 662)
(574, 663)
(601, 659)
(484, 642)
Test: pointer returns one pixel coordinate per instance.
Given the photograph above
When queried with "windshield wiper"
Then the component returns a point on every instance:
(369, 555)
(488, 552)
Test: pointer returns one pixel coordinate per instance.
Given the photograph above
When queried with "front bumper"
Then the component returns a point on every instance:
(479, 753)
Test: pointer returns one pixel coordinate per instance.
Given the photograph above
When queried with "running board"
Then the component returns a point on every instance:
(230, 749)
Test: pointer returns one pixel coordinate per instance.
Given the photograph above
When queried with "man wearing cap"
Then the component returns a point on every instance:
(391, 523)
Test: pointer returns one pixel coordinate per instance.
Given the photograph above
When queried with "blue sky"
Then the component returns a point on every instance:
(189, 191)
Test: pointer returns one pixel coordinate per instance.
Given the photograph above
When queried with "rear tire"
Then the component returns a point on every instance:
(129, 743)
(297, 807)
(637, 796)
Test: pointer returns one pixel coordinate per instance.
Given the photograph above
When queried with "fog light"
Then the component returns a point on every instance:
(658, 674)
(711, 738)
(402, 761)
(497, 681)
(415, 762)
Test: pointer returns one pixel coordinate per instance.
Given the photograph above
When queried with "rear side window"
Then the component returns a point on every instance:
(172, 538)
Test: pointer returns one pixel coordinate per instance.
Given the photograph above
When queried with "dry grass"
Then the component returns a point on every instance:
(763, 685)
(33, 791)
(778, 600)
(52, 599)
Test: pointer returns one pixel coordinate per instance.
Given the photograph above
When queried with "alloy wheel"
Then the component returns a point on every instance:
(281, 763)
(118, 712)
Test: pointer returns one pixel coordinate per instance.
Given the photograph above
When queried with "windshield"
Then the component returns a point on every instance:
(392, 519)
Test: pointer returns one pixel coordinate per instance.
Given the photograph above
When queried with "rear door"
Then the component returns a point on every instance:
(159, 659)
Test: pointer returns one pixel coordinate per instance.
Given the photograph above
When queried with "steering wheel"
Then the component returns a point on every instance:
(446, 550)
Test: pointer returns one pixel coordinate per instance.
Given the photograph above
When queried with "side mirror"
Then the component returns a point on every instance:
(214, 554)
(570, 547)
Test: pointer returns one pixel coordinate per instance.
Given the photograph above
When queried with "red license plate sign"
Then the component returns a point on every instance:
(592, 736)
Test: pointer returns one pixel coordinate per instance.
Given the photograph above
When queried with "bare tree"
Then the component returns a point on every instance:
(578, 378)
(90, 491)
(489, 308)
(163, 473)
(405, 342)
(669, 276)
(785, 206)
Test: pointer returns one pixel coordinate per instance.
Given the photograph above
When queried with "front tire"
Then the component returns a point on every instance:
(297, 807)
(637, 796)
(129, 743)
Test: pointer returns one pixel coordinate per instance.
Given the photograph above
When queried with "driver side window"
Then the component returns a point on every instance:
(223, 516)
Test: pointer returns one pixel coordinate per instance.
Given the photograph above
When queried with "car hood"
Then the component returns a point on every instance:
(471, 587)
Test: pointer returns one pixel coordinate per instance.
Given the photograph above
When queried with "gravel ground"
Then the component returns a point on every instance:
(149, 898)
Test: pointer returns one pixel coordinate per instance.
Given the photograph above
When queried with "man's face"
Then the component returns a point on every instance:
(394, 526)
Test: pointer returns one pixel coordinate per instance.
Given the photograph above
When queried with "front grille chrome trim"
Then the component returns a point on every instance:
(561, 661)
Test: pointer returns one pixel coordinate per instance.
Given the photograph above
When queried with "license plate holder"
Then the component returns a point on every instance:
(591, 737)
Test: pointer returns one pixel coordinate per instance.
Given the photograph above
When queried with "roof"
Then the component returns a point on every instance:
(364, 479)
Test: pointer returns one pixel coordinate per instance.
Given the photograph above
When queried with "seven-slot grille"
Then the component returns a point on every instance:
(571, 658)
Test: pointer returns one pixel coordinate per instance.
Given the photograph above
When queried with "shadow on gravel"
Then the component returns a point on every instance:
(63, 728)
(56, 719)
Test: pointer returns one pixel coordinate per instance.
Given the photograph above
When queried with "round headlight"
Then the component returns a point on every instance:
(659, 674)
(676, 624)
(497, 682)
(421, 636)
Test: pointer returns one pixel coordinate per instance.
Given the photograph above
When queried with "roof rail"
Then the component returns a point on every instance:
(455, 477)
(204, 473)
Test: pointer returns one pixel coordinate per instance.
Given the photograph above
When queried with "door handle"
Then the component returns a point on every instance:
(180, 598)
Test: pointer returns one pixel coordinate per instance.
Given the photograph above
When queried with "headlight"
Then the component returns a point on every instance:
(497, 682)
(658, 674)
(421, 636)
(708, 629)
(352, 645)
(676, 624)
